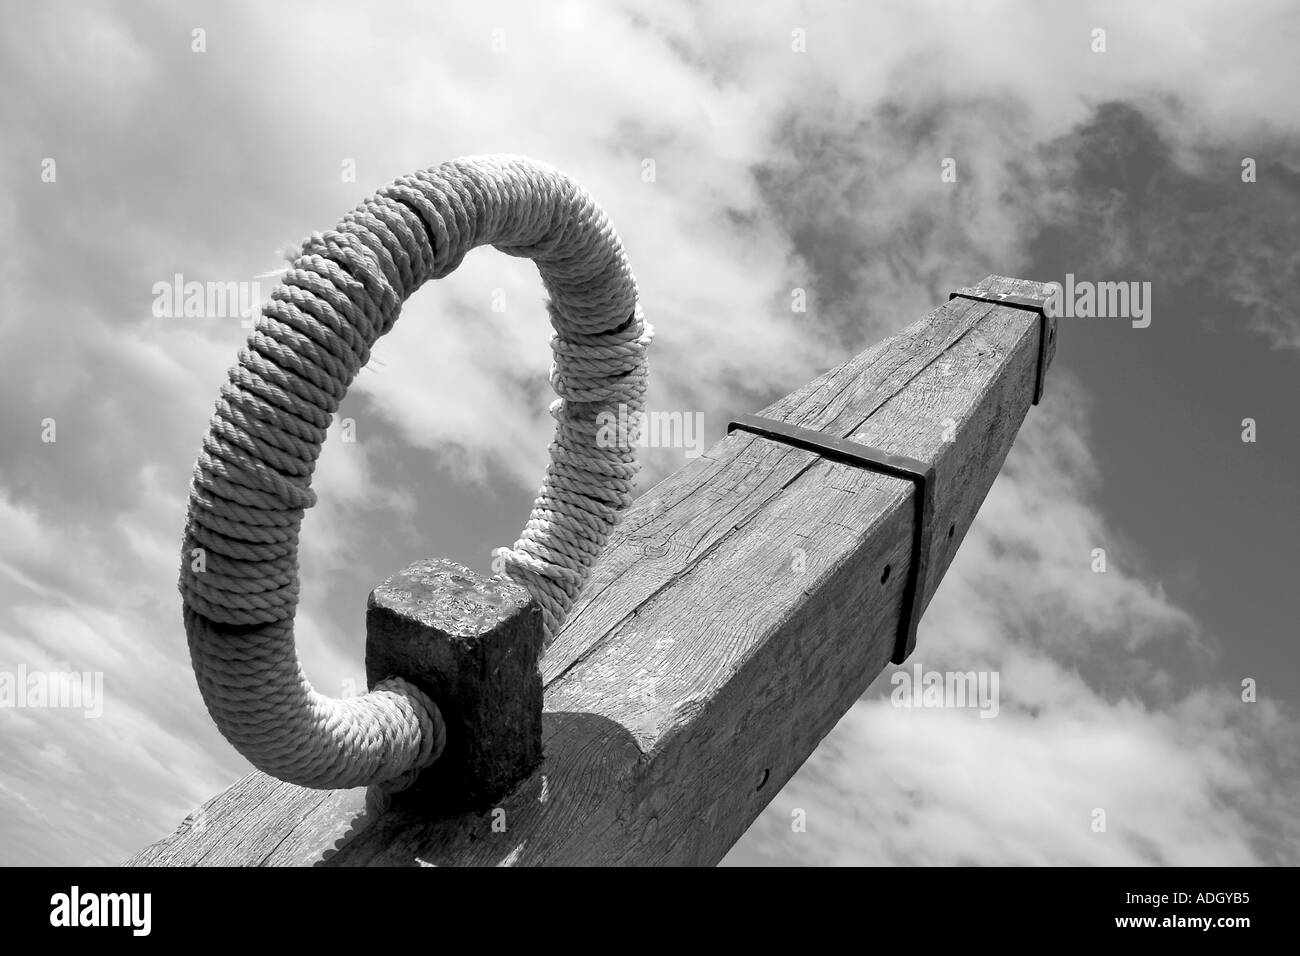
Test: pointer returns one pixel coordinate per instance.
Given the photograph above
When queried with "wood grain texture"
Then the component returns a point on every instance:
(260, 821)
(740, 609)
(472, 645)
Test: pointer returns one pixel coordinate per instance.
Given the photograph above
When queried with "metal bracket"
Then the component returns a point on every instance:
(1019, 302)
(872, 459)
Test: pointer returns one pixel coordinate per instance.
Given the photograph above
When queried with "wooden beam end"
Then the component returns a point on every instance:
(472, 644)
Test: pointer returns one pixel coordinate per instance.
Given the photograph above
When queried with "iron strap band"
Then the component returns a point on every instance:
(872, 459)
(1020, 302)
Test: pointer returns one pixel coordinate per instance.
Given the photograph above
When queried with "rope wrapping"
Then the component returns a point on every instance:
(252, 480)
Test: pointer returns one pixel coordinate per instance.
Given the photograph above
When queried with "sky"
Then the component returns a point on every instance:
(794, 146)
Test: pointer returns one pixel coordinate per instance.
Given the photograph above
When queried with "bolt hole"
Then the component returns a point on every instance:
(763, 779)
(884, 575)
(951, 529)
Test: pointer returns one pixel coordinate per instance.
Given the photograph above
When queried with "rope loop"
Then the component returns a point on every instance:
(252, 481)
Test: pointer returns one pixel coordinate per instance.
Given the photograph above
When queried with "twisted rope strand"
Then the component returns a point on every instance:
(252, 481)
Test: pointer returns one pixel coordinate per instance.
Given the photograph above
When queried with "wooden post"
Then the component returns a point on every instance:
(740, 609)
(472, 644)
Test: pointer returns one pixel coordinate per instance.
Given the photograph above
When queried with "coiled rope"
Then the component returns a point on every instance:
(252, 481)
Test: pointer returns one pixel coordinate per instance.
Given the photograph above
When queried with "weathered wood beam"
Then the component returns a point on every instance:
(740, 609)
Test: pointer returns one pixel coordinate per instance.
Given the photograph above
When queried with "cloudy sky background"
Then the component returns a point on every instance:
(775, 170)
